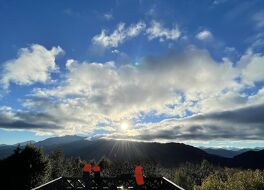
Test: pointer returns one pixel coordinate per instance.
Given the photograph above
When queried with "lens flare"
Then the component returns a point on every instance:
(124, 126)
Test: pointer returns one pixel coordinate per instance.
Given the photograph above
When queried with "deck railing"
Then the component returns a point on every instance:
(92, 179)
(122, 182)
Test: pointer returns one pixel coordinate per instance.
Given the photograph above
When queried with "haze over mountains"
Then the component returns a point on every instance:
(166, 154)
(228, 153)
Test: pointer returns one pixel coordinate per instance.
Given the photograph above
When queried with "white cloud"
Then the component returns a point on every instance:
(204, 35)
(108, 16)
(115, 51)
(34, 64)
(107, 92)
(252, 67)
(135, 29)
(119, 35)
(156, 30)
(122, 33)
(258, 98)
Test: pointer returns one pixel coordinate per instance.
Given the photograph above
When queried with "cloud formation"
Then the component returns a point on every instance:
(128, 89)
(10, 119)
(100, 96)
(239, 124)
(119, 35)
(108, 16)
(33, 64)
(252, 67)
(156, 30)
(122, 33)
(204, 35)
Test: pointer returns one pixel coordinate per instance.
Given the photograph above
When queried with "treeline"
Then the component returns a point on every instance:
(29, 167)
(206, 176)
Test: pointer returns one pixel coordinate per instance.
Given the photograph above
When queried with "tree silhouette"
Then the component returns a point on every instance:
(24, 169)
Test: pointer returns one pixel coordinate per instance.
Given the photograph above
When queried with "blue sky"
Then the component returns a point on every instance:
(181, 71)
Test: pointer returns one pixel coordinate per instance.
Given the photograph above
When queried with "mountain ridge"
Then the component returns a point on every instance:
(166, 154)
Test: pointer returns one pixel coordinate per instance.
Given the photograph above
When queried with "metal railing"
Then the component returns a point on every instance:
(122, 182)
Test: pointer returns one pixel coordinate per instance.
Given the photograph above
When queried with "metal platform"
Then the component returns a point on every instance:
(122, 182)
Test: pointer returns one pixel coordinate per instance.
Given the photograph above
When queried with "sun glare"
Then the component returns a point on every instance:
(124, 126)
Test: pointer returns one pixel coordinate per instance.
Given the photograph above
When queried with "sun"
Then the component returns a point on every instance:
(124, 126)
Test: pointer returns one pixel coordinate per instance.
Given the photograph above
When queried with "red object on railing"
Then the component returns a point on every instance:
(96, 168)
(87, 168)
(139, 175)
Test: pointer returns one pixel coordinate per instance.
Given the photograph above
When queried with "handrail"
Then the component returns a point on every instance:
(169, 181)
(47, 183)
(61, 179)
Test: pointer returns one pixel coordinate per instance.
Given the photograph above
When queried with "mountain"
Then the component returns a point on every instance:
(250, 159)
(166, 154)
(6, 150)
(55, 141)
(25, 143)
(228, 153)
(49, 143)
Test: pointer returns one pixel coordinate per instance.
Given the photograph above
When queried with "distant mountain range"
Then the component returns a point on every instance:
(57, 141)
(25, 143)
(228, 153)
(166, 154)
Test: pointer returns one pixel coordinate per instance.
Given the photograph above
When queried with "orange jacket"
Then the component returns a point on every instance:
(96, 168)
(87, 168)
(139, 175)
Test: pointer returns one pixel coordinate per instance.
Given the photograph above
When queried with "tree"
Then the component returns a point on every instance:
(234, 179)
(57, 163)
(187, 176)
(213, 182)
(73, 167)
(104, 163)
(249, 180)
(24, 169)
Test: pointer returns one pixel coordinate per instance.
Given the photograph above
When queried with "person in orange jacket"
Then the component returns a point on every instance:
(87, 175)
(87, 168)
(139, 177)
(97, 177)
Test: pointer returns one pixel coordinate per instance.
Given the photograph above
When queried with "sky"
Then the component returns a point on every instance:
(146, 70)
